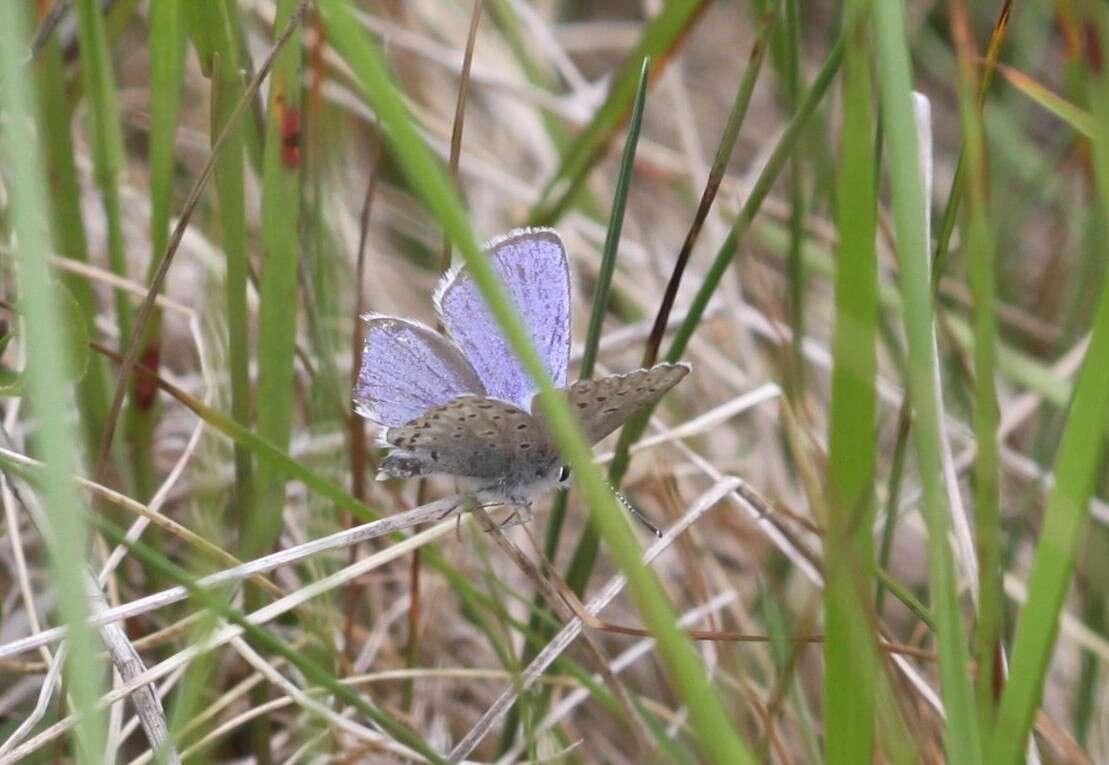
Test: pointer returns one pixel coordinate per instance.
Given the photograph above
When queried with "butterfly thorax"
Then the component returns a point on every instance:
(517, 487)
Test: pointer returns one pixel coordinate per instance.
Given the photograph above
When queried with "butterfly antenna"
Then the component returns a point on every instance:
(635, 512)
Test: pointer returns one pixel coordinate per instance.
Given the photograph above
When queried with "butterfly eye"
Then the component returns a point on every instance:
(564, 474)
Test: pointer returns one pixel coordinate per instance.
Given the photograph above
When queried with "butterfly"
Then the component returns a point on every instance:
(461, 404)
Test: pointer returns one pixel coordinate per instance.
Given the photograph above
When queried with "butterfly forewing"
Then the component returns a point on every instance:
(472, 436)
(532, 264)
(603, 405)
(407, 369)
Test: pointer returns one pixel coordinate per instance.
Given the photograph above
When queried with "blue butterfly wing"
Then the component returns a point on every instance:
(408, 368)
(533, 266)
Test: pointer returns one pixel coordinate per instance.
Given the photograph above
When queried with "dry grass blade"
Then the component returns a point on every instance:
(123, 655)
(130, 665)
(144, 512)
(434, 511)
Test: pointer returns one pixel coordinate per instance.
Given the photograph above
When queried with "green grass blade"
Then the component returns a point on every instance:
(893, 503)
(68, 226)
(585, 554)
(212, 31)
(982, 249)
(939, 268)
(716, 737)
(167, 70)
(913, 251)
(1077, 118)
(661, 36)
(107, 139)
(851, 662)
(592, 342)
(22, 167)
(277, 311)
(795, 265)
(615, 224)
(230, 185)
(260, 525)
(1076, 465)
(167, 36)
(955, 194)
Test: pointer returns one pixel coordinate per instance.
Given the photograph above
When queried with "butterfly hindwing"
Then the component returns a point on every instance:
(472, 436)
(603, 405)
(407, 369)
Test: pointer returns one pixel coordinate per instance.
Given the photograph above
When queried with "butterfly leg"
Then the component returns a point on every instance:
(523, 514)
(458, 508)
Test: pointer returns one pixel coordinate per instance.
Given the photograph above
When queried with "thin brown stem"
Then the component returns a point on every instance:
(356, 428)
(718, 636)
(460, 111)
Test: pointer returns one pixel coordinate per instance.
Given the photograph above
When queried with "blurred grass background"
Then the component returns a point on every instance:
(876, 229)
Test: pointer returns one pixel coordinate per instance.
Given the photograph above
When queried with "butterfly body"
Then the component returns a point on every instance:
(497, 450)
(462, 405)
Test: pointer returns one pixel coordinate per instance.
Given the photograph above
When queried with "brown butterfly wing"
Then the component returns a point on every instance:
(601, 406)
(472, 436)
